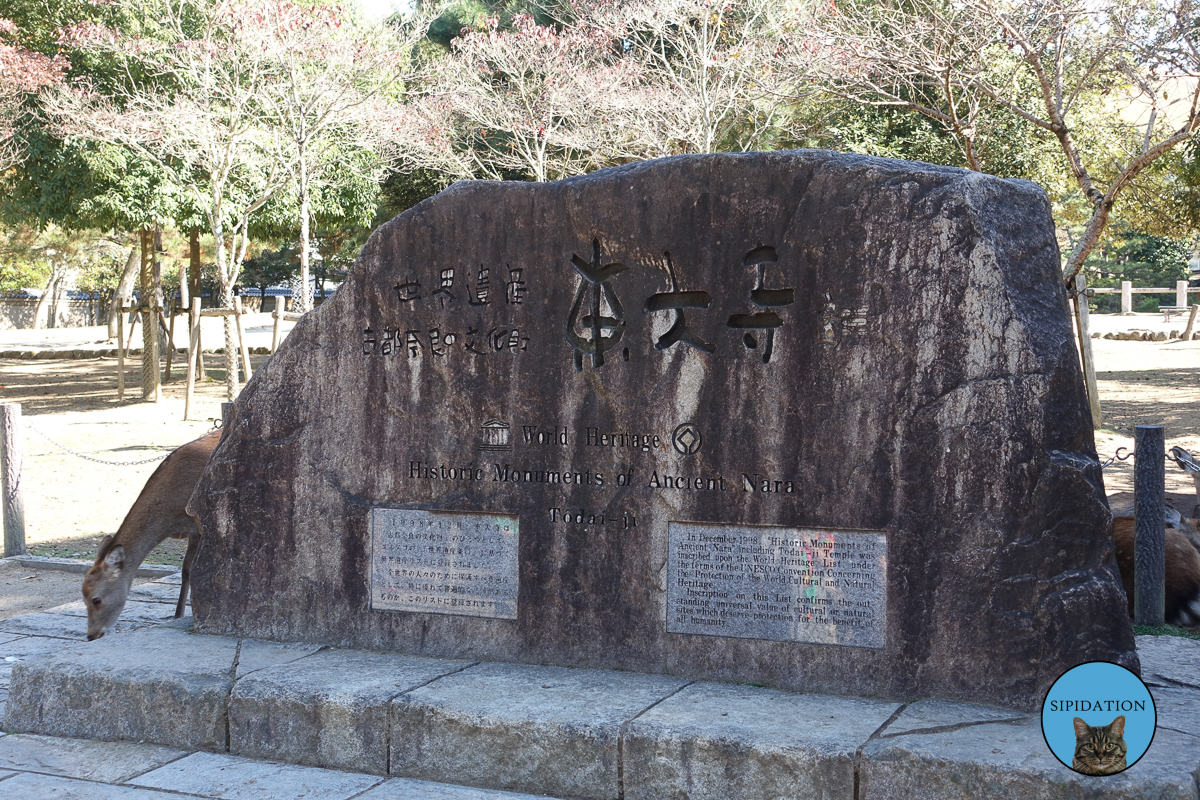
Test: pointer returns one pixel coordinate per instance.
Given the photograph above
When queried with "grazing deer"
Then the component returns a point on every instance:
(1182, 587)
(157, 514)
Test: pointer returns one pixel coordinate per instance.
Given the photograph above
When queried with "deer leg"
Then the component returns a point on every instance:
(188, 557)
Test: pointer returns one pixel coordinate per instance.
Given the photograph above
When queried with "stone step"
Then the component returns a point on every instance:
(568, 733)
(38, 767)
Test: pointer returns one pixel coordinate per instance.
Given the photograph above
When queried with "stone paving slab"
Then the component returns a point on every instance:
(1170, 660)
(939, 715)
(1012, 761)
(1177, 709)
(330, 709)
(106, 762)
(21, 649)
(137, 611)
(408, 789)
(522, 728)
(80, 565)
(60, 626)
(232, 778)
(31, 786)
(717, 741)
(155, 592)
(171, 687)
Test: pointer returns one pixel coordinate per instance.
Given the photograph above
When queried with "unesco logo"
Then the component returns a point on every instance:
(686, 439)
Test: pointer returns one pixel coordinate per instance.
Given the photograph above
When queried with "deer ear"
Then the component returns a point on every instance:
(115, 559)
(102, 551)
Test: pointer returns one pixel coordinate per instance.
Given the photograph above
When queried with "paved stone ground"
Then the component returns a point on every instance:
(152, 711)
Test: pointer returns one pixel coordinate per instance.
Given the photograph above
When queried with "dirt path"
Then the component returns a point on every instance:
(73, 405)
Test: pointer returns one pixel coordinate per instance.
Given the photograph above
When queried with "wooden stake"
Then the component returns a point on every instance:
(193, 356)
(237, 316)
(1187, 332)
(1085, 348)
(277, 313)
(170, 343)
(120, 355)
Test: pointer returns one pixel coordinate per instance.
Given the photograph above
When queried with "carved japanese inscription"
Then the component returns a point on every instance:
(444, 563)
(787, 584)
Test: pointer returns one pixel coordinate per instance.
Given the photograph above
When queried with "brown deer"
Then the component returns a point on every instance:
(1182, 587)
(157, 514)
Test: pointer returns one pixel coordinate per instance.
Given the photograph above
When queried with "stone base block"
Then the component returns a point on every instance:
(159, 685)
(520, 728)
(328, 710)
(715, 741)
(566, 733)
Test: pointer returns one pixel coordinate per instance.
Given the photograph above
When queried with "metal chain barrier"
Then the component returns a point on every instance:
(86, 457)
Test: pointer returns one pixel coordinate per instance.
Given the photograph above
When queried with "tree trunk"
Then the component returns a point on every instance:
(39, 314)
(305, 294)
(150, 386)
(232, 386)
(60, 282)
(124, 290)
(193, 278)
(164, 338)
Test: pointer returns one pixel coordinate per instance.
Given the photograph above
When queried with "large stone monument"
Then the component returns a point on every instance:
(803, 419)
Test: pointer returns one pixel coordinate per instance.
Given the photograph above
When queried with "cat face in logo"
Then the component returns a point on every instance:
(1099, 750)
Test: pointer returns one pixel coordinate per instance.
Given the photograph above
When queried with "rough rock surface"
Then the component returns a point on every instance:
(919, 381)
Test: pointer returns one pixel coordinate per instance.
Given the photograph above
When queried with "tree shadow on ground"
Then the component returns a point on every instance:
(56, 386)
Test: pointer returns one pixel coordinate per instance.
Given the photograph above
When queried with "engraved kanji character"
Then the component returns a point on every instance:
(514, 287)
(504, 339)
(435, 342)
(760, 296)
(409, 290)
(413, 340)
(388, 344)
(443, 292)
(368, 342)
(470, 343)
(675, 301)
(592, 326)
(482, 289)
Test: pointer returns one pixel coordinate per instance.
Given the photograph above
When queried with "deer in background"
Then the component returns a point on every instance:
(157, 514)
(1182, 584)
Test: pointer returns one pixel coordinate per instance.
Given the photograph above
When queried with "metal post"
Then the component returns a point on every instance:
(1126, 298)
(1149, 547)
(11, 458)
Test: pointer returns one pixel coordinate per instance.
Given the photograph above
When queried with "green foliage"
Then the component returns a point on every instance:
(403, 190)
(1143, 259)
(270, 267)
